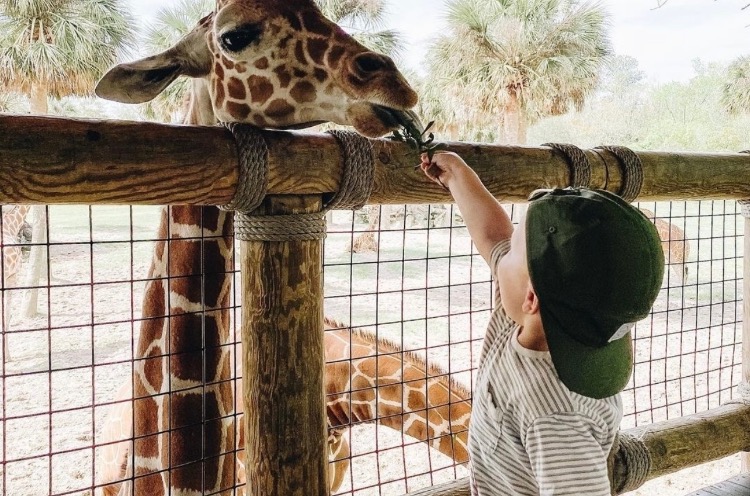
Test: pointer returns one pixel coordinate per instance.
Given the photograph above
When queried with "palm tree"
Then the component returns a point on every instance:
(55, 48)
(361, 18)
(736, 90)
(516, 61)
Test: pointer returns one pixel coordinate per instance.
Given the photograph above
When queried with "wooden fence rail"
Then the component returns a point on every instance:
(54, 160)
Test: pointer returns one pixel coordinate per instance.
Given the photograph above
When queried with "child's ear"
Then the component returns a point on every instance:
(530, 301)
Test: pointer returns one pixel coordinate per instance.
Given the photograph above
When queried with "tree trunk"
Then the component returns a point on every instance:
(37, 266)
(512, 118)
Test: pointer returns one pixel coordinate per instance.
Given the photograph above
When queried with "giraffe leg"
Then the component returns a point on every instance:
(338, 457)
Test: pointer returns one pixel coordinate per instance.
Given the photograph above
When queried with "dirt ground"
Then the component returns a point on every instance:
(424, 288)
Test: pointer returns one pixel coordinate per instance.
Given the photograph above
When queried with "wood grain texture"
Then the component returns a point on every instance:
(55, 160)
(283, 362)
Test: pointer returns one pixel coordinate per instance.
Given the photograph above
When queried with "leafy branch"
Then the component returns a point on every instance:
(423, 141)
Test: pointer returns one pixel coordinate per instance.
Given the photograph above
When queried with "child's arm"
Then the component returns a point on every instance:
(485, 218)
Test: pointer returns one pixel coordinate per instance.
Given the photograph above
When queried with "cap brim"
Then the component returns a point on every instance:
(592, 372)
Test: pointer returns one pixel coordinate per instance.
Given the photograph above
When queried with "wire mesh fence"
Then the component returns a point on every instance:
(408, 275)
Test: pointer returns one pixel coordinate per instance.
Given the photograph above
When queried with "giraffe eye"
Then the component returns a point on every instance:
(238, 39)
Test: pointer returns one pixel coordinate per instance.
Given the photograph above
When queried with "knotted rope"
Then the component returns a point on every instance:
(637, 460)
(356, 187)
(632, 171)
(580, 168)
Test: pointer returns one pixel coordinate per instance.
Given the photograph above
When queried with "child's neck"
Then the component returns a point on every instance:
(531, 336)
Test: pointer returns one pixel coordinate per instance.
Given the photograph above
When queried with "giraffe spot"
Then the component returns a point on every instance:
(153, 484)
(294, 21)
(195, 345)
(236, 89)
(146, 412)
(238, 111)
(317, 49)
(259, 121)
(284, 76)
(261, 63)
(326, 106)
(320, 74)
(227, 63)
(219, 71)
(284, 42)
(261, 89)
(219, 93)
(299, 73)
(334, 56)
(299, 53)
(315, 23)
(153, 302)
(152, 368)
(279, 109)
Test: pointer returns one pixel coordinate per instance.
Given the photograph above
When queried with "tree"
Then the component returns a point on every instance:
(55, 48)
(361, 18)
(516, 61)
(735, 97)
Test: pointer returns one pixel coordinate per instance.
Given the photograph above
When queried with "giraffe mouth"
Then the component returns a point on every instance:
(395, 119)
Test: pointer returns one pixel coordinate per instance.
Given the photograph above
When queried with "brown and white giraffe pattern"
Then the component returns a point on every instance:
(298, 68)
(367, 379)
(13, 220)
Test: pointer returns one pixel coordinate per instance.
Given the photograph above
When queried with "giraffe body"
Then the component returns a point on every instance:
(271, 63)
(366, 379)
(674, 244)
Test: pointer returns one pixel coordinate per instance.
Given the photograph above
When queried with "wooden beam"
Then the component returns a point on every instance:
(283, 361)
(55, 160)
(673, 445)
(746, 318)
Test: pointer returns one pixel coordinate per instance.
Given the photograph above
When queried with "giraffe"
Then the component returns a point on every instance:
(13, 219)
(270, 63)
(675, 245)
(366, 379)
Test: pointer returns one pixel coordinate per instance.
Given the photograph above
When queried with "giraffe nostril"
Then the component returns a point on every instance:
(370, 62)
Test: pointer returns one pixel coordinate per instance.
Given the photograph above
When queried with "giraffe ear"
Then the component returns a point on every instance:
(142, 80)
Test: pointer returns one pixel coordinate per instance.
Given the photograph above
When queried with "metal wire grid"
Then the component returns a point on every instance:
(424, 288)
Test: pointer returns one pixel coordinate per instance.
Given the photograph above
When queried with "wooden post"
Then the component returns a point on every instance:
(746, 317)
(283, 361)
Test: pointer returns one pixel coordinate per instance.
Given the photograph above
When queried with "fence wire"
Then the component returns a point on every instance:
(408, 275)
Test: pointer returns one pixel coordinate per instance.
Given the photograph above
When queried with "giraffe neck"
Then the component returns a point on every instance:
(13, 218)
(396, 388)
(183, 401)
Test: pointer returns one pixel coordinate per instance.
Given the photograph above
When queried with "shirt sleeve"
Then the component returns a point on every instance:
(496, 254)
(566, 456)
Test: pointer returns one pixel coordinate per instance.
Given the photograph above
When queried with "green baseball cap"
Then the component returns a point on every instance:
(596, 265)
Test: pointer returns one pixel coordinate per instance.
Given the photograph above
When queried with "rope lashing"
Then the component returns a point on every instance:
(253, 156)
(580, 168)
(356, 187)
(637, 459)
(359, 171)
(632, 171)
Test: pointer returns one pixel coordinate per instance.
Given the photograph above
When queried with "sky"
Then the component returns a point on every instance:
(665, 41)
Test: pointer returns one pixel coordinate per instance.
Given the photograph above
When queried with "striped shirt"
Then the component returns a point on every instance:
(529, 434)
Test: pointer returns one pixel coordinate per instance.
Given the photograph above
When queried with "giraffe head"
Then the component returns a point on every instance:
(274, 63)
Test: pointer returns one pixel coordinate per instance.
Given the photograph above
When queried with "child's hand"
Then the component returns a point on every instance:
(443, 169)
